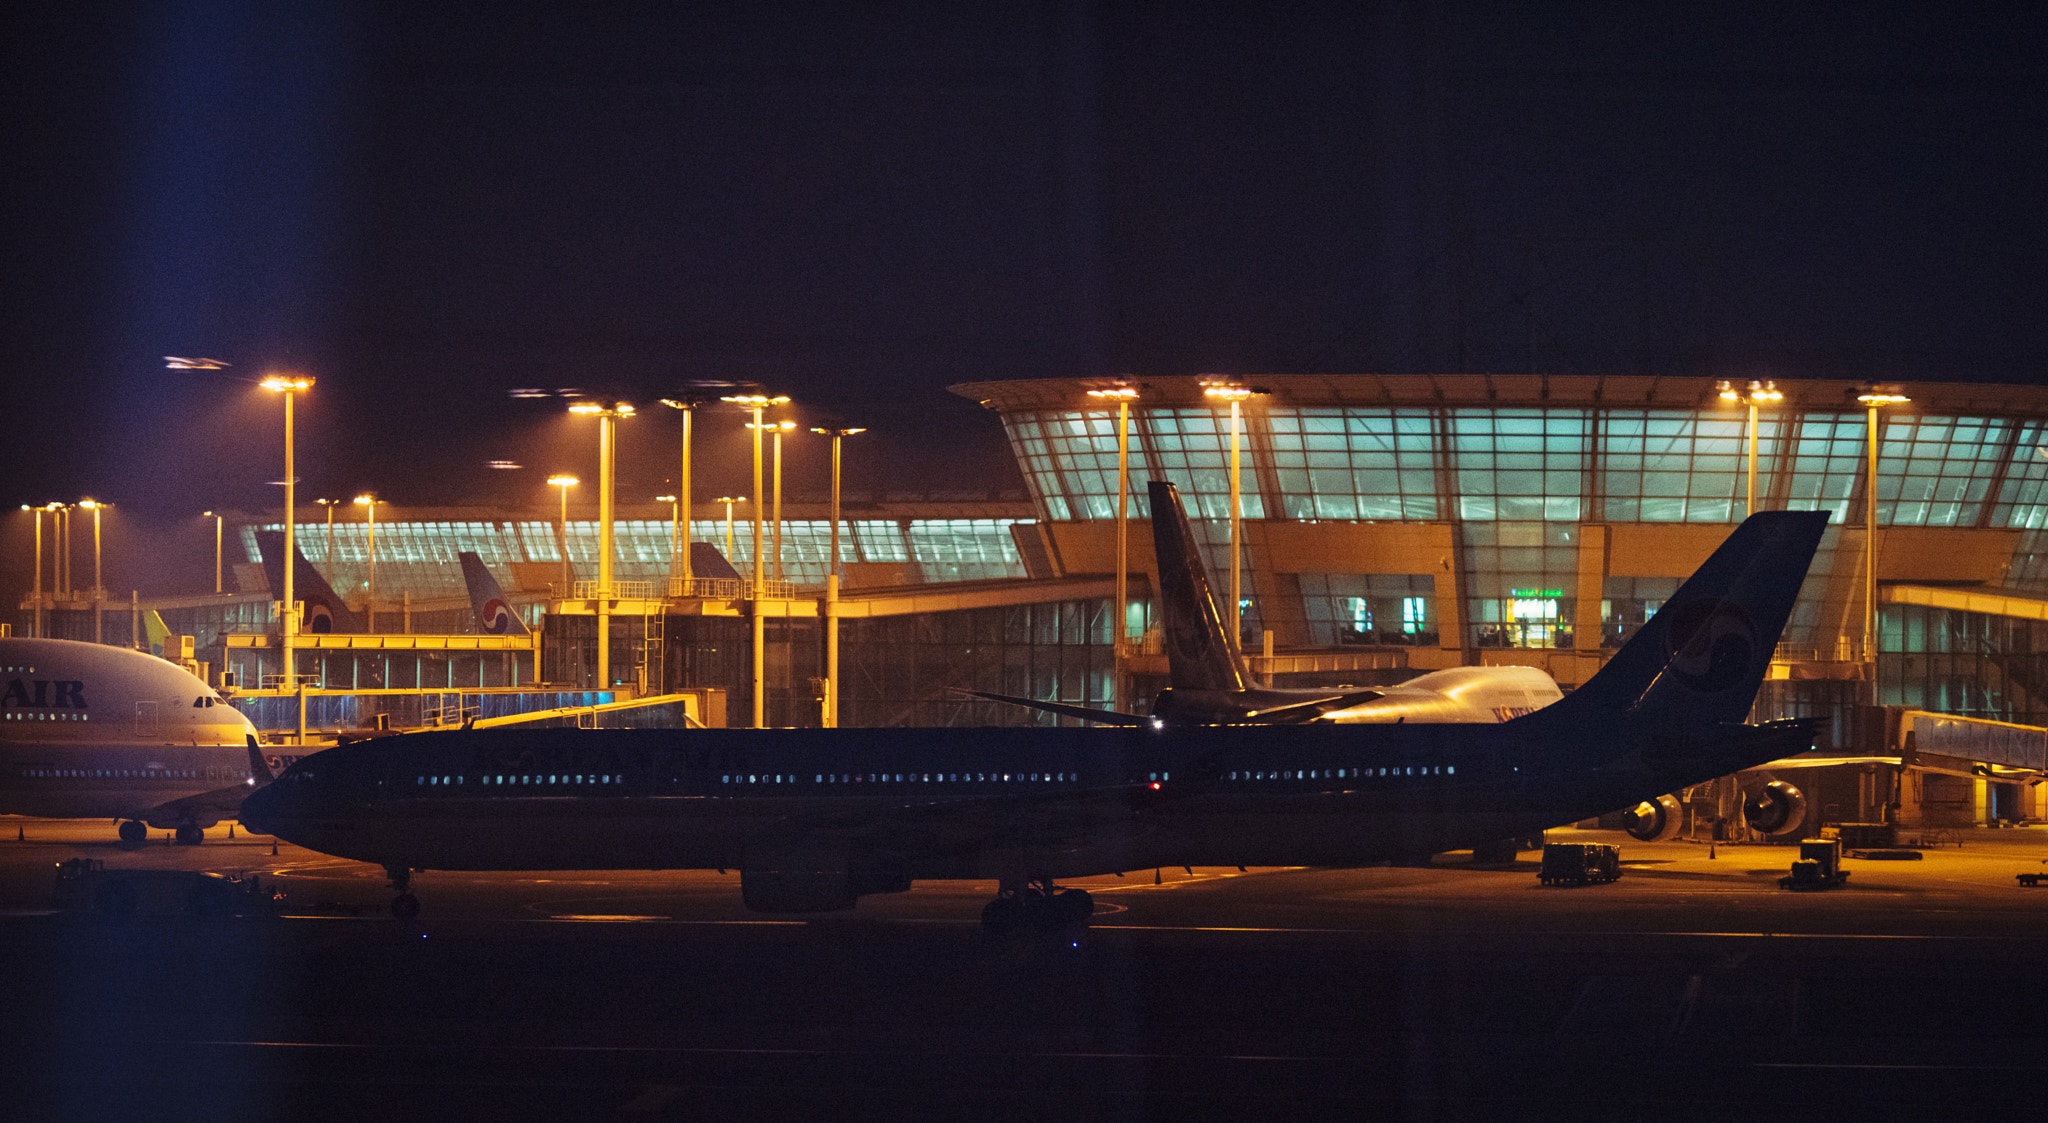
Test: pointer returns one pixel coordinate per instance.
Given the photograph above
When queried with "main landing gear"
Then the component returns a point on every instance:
(1036, 905)
(405, 906)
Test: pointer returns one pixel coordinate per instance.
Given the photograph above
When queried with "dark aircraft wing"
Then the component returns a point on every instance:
(1294, 713)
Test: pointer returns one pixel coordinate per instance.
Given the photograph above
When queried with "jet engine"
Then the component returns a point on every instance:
(1776, 808)
(1655, 820)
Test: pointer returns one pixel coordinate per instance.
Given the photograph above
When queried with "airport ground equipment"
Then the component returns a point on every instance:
(1037, 905)
(1819, 865)
(1579, 863)
(87, 884)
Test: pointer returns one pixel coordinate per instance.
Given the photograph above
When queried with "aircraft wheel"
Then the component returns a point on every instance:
(189, 835)
(133, 832)
(1072, 906)
(405, 906)
(1002, 916)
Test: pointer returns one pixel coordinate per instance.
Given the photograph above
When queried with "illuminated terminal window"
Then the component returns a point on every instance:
(1517, 464)
(1354, 464)
(1936, 471)
(2022, 504)
(1354, 608)
(1828, 463)
(1190, 448)
(1681, 466)
(965, 549)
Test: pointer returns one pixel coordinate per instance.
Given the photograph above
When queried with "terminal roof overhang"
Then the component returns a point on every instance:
(1508, 390)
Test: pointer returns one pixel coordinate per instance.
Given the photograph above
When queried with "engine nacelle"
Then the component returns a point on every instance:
(1655, 820)
(1777, 808)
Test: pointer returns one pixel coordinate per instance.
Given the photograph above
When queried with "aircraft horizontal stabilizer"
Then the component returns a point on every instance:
(259, 769)
(1102, 717)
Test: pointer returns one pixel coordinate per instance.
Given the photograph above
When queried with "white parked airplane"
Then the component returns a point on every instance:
(91, 731)
(1210, 684)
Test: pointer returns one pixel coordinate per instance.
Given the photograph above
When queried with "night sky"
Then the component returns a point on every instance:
(427, 206)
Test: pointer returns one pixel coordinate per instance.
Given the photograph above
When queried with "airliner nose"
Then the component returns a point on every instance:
(260, 809)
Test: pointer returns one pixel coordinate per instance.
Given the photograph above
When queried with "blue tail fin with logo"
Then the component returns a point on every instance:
(494, 614)
(1701, 658)
(324, 609)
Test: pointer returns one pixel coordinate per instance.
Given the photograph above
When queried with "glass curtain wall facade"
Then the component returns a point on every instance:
(1520, 484)
(906, 670)
(420, 556)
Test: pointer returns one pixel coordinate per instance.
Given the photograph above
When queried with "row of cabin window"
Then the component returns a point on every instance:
(75, 715)
(907, 778)
(760, 778)
(451, 781)
(1348, 773)
(136, 773)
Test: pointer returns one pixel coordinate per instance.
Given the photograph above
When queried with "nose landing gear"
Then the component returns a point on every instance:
(405, 906)
(1036, 905)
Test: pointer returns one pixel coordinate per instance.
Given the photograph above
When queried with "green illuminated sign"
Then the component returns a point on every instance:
(1535, 592)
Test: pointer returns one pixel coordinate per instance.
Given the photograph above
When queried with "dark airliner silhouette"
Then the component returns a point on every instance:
(813, 819)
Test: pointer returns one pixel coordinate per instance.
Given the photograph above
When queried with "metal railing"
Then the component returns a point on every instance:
(708, 588)
(620, 590)
(1845, 650)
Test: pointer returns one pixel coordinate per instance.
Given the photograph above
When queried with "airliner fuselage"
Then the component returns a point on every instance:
(92, 731)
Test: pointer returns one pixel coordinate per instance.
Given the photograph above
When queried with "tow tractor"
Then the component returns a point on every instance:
(87, 884)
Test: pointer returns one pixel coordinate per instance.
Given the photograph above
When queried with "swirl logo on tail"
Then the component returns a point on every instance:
(497, 617)
(1713, 644)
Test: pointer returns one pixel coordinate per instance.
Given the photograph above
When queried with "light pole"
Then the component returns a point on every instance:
(675, 540)
(369, 505)
(729, 500)
(216, 549)
(777, 428)
(52, 508)
(831, 716)
(290, 387)
(757, 403)
(1235, 394)
(1873, 398)
(1751, 395)
(1123, 393)
(60, 565)
(36, 620)
(687, 406)
(607, 442)
(333, 569)
(562, 528)
(97, 591)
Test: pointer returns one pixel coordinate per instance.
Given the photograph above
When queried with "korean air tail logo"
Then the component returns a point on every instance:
(497, 617)
(1713, 644)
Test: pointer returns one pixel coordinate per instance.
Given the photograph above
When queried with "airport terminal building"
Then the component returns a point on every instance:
(1389, 525)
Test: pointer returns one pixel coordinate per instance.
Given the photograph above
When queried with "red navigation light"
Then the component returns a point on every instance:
(1155, 787)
